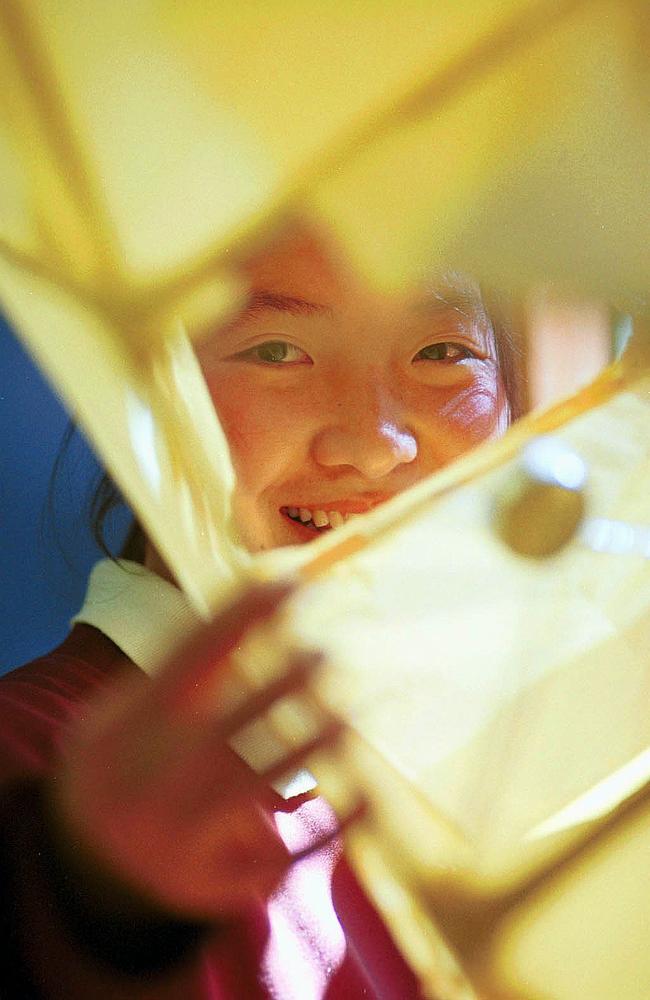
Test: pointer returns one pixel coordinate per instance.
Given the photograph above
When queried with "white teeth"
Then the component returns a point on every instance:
(319, 518)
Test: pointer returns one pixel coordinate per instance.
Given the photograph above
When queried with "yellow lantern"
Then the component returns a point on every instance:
(146, 149)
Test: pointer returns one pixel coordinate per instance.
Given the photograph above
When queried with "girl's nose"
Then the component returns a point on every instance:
(373, 444)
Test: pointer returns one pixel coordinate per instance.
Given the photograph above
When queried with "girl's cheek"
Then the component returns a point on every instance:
(477, 411)
(257, 428)
(248, 439)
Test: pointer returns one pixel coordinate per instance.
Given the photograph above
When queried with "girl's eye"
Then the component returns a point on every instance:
(446, 350)
(274, 352)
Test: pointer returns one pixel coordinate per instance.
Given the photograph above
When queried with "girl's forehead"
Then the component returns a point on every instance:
(302, 264)
(307, 265)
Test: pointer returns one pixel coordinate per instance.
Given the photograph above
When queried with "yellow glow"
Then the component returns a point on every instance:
(599, 800)
(145, 148)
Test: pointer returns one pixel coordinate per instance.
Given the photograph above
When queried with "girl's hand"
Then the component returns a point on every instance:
(152, 793)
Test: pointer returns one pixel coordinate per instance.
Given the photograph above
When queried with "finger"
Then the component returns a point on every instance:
(212, 772)
(357, 813)
(196, 663)
(302, 668)
(211, 778)
(215, 774)
(296, 759)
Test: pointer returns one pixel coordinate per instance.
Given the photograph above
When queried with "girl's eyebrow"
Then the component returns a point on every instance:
(467, 302)
(452, 290)
(261, 301)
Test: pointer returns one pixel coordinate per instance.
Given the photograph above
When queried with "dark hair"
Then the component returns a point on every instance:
(102, 498)
(510, 358)
(105, 498)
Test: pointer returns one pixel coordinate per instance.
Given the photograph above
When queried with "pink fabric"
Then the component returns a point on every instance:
(317, 938)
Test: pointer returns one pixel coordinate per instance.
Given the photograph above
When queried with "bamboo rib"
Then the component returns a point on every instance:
(65, 147)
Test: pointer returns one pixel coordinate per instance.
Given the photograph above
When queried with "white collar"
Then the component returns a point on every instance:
(146, 617)
(143, 614)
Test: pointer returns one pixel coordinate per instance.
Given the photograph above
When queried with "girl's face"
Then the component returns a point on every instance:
(334, 398)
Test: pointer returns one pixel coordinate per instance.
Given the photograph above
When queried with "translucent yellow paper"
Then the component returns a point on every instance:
(525, 154)
(146, 149)
(491, 693)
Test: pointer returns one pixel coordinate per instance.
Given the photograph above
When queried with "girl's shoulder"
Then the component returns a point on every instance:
(40, 699)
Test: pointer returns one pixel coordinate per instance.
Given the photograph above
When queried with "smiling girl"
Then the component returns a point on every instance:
(334, 398)
(140, 856)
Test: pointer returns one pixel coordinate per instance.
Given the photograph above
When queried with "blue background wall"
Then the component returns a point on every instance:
(46, 548)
